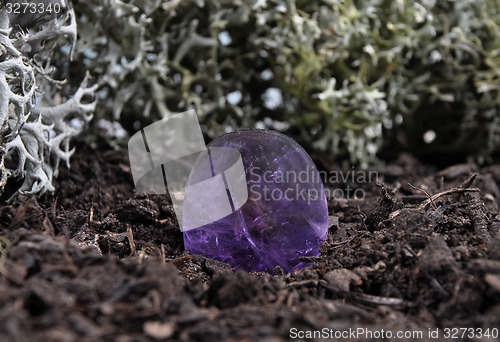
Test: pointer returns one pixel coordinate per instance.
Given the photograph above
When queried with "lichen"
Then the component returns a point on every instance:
(37, 118)
(342, 72)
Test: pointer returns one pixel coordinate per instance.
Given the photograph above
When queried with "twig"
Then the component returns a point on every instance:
(91, 218)
(307, 283)
(468, 182)
(363, 218)
(433, 198)
(338, 244)
(377, 300)
(162, 253)
(425, 193)
(47, 224)
(438, 286)
(446, 192)
(130, 236)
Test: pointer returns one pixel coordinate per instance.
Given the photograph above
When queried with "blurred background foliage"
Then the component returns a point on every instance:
(351, 79)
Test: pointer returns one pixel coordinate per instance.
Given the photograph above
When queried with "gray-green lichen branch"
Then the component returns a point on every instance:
(35, 130)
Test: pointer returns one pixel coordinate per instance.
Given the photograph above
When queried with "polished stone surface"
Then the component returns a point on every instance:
(284, 215)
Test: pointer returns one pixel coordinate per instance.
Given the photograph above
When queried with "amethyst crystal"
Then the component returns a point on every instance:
(280, 216)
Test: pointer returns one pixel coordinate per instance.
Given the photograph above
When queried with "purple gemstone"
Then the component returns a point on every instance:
(280, 216)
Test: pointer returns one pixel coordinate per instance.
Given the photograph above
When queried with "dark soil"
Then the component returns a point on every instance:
(98, 261)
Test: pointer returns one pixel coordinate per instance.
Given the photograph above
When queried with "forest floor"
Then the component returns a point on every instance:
(98, 261)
